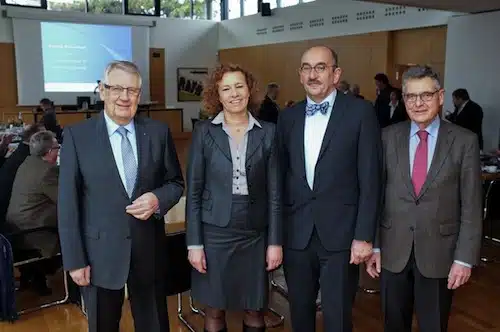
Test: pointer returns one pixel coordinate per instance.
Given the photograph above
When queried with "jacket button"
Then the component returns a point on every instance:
(412, 228)
(252, 201)
(417, 202)
(129, 237)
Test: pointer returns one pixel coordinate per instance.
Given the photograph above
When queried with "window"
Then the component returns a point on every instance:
(141, 7)
(215, 10)
(250, 7)
(200, 9)
(29, 3)
(233, 8)
(74, 5)
(105, 6)
(288, 3)
(175, 8)
(308, 0)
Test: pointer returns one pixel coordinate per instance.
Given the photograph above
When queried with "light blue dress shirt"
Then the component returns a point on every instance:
(116, 139)
(433, 131)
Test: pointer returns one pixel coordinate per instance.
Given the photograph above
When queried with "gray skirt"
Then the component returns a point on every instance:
(236, 277)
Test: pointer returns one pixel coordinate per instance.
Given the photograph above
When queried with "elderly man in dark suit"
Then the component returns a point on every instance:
(330, 149)
(430, 226)
(119, 176)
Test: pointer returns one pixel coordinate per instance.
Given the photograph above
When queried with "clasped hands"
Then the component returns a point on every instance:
(144, 206)
(274, 258)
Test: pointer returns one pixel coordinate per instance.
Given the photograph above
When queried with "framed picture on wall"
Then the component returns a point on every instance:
(190, 83)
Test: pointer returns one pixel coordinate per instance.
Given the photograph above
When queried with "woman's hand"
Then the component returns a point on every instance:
(274, 257)
(197, 259)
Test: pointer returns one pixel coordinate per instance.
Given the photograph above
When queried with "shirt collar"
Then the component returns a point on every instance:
(219, 119)
(113, 126)
(330, 99)
(432, 128)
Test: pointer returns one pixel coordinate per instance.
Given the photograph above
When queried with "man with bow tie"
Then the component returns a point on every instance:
(330, 147)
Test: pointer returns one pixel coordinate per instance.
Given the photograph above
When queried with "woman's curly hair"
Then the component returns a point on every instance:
(211, 103)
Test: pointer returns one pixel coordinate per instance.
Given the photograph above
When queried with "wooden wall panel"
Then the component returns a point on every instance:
(8, 82)
(157, 75)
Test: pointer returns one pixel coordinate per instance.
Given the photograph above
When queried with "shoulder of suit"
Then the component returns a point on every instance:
(395, 129)
(459, 131)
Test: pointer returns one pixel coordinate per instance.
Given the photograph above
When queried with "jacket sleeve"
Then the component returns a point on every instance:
(195, 184)
(173, 183)
(68, 208)
(274, 189)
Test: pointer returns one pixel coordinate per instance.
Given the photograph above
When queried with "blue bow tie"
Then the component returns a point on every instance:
(312, 109)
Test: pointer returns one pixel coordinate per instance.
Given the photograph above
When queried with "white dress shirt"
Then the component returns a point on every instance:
(314, 131)
(116, 140)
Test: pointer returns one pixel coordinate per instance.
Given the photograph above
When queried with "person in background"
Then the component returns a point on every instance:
(382, 108)
(355, 91)
(233, 208)
(11, 165)
(269, 109)
(344, 87)
(430, 230)
(5, 141)
(468, 114)
(289, 103)
(33, 204)
(397, 110)
(330, 154)
(119, 176)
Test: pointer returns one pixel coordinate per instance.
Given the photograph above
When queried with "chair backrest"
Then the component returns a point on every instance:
(8, 311)
(178, 267)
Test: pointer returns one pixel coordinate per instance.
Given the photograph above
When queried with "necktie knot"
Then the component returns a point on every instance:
(423, 134)
(122, 131)
(312, 109)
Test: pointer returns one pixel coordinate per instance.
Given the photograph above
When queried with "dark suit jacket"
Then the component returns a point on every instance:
(209, 179)
(269, 110)
(94, 228)
(33, 203)
(471, 117)
(344, 203)
(8, 174)
(443, 223)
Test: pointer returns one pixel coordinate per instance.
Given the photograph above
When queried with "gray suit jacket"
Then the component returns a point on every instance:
(94, 227)
(444, 222)
(33, 204)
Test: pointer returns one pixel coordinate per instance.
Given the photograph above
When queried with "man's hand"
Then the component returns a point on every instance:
(274, 257)
(143, 207)
(81, 277)
(373, 265)
(458, 275)
(197, 259)
(360, 251)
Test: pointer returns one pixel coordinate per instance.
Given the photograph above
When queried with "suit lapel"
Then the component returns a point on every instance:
(221, 140)
(338, 111)
(444, 142)
(255, 138)
(403, 157)
(142, 139)
(107, 152)
(297, 141)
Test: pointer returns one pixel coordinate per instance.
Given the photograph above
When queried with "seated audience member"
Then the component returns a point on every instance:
(9, 168)
(355, 91)
(5, 140)
(33, 204)
(344, 87)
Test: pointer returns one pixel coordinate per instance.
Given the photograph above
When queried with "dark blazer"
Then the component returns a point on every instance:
(269, 110)
(444, 222)
(33, 203)
(8, 174)
(94, 228)
(471, 117)
(344, 203)
(209, 181)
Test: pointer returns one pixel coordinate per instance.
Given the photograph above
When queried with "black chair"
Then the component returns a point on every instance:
(34, 256)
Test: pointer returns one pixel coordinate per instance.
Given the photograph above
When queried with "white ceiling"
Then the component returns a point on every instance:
(464, 6)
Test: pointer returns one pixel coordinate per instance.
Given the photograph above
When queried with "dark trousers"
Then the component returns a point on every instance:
(148, 303)
(308, 270)
(402, 291)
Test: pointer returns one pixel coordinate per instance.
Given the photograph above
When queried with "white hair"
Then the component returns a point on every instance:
(126, 66)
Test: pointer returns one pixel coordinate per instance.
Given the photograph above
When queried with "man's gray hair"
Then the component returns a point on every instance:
(41, 143)
(125, 66)
(420, 72)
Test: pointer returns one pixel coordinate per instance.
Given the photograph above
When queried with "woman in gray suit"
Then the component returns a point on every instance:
(233, 212)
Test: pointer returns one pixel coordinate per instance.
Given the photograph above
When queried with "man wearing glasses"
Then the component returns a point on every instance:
(330, 149)
(119, 176)
(430, 227)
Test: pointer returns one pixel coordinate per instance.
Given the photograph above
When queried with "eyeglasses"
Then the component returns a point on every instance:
(118, 90)
(319, 68)
(424, 96)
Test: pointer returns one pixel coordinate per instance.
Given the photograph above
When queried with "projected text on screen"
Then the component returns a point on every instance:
(75, 55)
